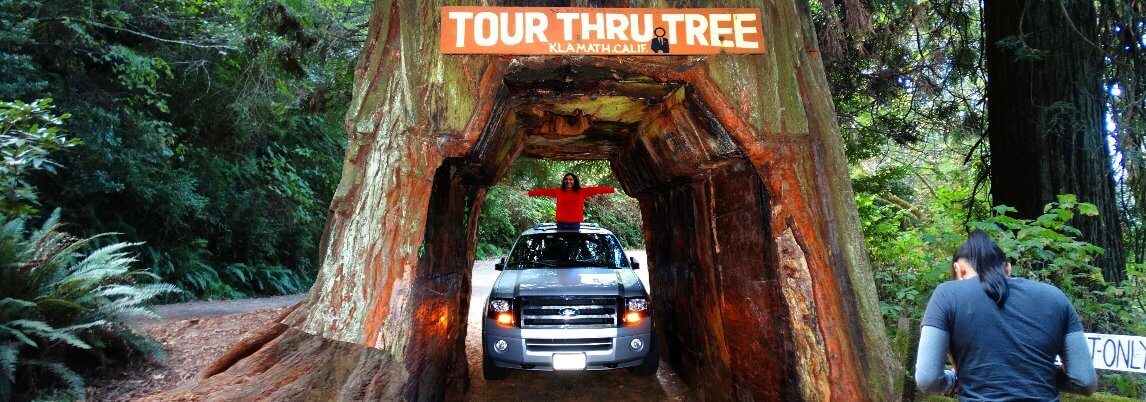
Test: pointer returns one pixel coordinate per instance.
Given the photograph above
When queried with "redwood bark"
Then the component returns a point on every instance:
(1045, 117)
(761, 285)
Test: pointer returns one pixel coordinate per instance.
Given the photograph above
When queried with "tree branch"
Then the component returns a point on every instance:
(152, 37)
(888, 197)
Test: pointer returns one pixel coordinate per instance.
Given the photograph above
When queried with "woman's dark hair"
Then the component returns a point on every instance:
(576, 182)
(988, 261)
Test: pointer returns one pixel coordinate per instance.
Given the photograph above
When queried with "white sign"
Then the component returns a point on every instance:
(1117, 352)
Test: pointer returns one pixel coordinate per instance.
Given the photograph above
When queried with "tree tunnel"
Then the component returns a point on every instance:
(762, 286)
(721, 305)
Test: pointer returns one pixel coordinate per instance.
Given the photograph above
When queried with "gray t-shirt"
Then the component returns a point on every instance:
(1004, 353)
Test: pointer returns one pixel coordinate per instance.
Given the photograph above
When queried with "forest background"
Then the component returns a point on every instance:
(197, 143)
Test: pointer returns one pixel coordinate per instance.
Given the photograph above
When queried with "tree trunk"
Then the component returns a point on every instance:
(1045, 109)
(761, 282)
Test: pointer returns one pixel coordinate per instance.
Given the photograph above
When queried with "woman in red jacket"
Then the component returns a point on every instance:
(570, 200)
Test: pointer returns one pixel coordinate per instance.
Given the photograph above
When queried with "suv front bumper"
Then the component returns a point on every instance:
(533, 349)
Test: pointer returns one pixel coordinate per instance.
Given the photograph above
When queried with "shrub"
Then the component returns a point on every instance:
(909, 261)
(264, 279)
(62, 308)
(1048, 250)
(505, 214)
(187, 268)
(620, 214)
(28, 133)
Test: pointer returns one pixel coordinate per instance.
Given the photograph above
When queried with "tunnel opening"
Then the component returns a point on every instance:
(728, 323)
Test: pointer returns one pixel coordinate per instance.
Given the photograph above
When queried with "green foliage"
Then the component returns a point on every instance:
(1021, 49)
(1048, 250)
(186, 269)
(903, 71)
(62, 309)
(912, 218)
(507, 212)
(214, 131)
(620, 214)
(1097, 397)
(1124, 83)
(265, 279)
(904, 272)
(1134, 292)
(1131, 385)
(910, 260)
(29, 132)
(1129, 309)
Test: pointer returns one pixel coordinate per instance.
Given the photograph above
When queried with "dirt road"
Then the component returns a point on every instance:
(194, 333)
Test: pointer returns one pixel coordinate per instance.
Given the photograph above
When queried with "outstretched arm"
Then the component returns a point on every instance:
(929, 373)
(1078, 374)
(596, 190)
(543, 192)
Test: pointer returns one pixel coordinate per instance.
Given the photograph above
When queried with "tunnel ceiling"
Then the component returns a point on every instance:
(581, 112)
(648, 128)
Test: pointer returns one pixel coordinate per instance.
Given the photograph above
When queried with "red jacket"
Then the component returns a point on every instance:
(570, 204)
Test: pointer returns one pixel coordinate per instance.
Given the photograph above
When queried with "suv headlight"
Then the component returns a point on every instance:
(501, 311)
(636, 309)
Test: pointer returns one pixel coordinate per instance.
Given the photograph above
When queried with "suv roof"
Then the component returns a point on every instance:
(550, 227)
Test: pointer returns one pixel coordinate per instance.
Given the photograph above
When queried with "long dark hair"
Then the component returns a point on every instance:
(576, 182)
(989, 262)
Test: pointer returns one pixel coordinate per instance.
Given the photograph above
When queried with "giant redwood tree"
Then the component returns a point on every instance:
(1045, 116)
(761, 285)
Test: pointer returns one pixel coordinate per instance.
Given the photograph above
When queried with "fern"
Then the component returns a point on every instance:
(18, 335)
(61, 301)
(71, 378)
(143, 344)
(43, 330)
(8, 301)
(9, 354)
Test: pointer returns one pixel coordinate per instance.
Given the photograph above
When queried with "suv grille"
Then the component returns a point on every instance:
(569, 312)
(568, 345)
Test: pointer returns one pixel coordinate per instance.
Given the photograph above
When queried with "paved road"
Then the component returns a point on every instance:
(183, 311)
(611, 385)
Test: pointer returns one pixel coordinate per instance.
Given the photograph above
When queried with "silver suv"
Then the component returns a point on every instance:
(567, 300)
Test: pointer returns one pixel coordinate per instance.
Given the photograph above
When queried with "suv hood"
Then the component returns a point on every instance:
(567, 281)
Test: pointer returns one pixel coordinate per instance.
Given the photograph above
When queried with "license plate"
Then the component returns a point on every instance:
(568, 361)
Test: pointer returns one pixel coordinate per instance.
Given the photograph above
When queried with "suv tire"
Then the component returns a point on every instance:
(650, 365)
(491, 371)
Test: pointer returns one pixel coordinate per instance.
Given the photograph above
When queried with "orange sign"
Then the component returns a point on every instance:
(601, 31)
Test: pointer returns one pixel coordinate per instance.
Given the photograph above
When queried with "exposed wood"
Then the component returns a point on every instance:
(797, 288)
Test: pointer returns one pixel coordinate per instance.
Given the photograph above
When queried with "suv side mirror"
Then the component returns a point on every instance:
(633, 262)
(500, 265)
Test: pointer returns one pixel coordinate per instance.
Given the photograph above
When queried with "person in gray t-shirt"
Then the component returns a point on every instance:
(1003, 333)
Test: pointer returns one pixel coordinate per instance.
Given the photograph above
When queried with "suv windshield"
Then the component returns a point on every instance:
(566, 250)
